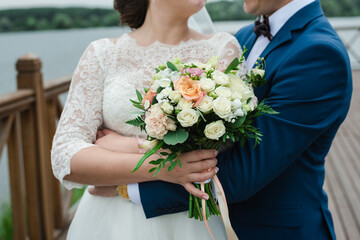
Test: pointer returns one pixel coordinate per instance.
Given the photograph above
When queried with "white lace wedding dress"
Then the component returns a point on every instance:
(105, 79)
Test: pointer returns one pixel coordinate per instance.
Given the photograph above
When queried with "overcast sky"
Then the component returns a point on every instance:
(54, 3)
(57, 3)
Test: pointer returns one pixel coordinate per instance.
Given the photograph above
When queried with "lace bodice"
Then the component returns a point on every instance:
(106, 78)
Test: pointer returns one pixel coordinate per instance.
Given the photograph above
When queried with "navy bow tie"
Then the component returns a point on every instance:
(262, 28)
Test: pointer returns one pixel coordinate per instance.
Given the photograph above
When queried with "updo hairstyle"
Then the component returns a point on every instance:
(132, 12)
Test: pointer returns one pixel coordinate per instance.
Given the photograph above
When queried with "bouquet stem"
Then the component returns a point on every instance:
(195, 208)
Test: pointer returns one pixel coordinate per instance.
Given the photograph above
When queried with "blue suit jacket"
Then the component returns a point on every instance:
(275, 190)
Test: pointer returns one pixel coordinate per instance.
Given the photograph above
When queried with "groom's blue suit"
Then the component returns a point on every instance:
(275, 190)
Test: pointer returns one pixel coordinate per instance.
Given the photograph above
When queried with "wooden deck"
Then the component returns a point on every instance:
(342, 181)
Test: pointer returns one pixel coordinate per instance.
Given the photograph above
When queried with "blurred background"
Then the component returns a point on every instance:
(59, 31)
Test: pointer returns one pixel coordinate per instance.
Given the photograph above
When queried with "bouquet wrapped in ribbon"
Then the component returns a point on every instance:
(193, 106)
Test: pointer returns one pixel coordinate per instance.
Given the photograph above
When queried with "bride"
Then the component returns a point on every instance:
(105, 79)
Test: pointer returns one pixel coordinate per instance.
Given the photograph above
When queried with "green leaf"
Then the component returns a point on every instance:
(164, 154)
(238, 122)
(173, 138)
(172, 66)
(139, 96)
(136, 121)
(171, 157)
(153, 169)
(157, 170)
(201, 115)
(148, 154)
(172, 166)
(232, 65)
(180, 164)
(156, 162)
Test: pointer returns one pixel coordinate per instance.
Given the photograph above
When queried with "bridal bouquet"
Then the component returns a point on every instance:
(199, 106)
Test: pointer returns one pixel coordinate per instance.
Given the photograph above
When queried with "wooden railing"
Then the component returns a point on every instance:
(40, 207)
(351, 43)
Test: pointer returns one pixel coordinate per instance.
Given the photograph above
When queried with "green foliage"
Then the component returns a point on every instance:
(177, 137)
(226, 10)
(61, 18)
(137, 122)
(56, 18)
(77, 194)
(6, 225)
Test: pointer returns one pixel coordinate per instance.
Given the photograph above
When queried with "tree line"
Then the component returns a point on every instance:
(64, 18)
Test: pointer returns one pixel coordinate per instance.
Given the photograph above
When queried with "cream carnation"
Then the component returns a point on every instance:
(206, 104)
(223, 92)
(207, 84)
(215, 130)
(170, 124)
(220, 77)
(156, 121)
(222, 107)
(188, 117)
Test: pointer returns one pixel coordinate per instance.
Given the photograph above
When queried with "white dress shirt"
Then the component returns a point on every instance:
(277, 21)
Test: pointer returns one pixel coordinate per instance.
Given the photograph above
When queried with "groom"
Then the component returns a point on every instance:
(275, 191)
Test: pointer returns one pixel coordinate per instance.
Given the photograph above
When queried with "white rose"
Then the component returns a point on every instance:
(206, 104)
(207, 84)
(184, 104)
(220, 77)
(259, 72)
(215, 130)
(167, 107)
(175, 96)
(236, 104)
(239, 88)
(188, 117)
(223, 92)
(239, 112)
(222, 107)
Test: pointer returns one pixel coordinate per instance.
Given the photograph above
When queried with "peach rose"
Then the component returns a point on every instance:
(189, 89)
(149, 96)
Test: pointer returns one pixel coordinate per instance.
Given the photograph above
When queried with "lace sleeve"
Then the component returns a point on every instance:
(230, 49)
(82, 115)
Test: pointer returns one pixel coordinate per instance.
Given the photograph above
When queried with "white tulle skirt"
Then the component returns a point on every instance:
(113, 218)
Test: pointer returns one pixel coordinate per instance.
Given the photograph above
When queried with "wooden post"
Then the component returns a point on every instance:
(36, 150)
(58, 206)
(16, 180)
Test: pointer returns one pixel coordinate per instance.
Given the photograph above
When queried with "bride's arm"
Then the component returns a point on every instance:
(76, 160)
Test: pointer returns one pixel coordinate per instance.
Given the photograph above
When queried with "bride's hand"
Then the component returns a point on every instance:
(197, 166)
(116, 142)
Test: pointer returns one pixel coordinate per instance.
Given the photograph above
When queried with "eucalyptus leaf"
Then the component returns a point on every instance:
(179, 136)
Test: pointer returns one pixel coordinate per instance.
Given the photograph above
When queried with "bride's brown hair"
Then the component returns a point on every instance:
(132, 12)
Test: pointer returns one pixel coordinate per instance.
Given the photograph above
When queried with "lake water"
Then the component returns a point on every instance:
(61, 50)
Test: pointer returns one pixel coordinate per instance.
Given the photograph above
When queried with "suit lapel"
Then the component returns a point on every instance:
(250, 43)
(296, 22)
